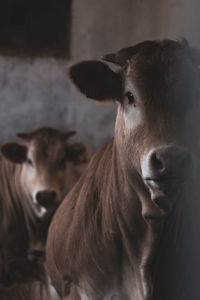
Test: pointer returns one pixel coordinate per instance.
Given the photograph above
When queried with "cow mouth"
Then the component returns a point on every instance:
(167, 185)
(166, 179)
(162, 192)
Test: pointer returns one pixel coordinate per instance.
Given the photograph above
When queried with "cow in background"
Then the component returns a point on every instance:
(34, 177)
(130, 228)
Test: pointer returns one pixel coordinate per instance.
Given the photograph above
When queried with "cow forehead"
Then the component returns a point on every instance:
(162, 73)
(159, 62)
(166, 52)
(47, 149)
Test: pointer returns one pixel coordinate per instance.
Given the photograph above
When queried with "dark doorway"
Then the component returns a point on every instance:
(35, 27)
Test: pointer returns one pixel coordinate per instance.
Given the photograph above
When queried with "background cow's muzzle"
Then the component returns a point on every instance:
(46, 198)
(164, 169)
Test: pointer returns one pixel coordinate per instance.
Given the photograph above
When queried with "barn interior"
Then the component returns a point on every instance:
(39, 40)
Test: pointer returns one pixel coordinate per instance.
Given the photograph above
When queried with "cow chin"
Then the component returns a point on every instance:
(165, 170)
(163, 194)
(44, 201)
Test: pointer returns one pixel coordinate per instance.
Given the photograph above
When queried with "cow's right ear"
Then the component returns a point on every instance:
(96, 80)
(14, 152)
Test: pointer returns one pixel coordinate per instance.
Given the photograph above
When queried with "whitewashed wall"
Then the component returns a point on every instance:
(37, 92)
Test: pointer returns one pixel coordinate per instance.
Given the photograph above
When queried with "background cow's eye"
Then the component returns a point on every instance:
(131, 98)
(29, 162)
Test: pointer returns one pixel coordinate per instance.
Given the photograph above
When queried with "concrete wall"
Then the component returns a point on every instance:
(37, 92)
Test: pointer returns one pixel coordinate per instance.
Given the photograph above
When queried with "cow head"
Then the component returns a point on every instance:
(46, 159)
(157, 127)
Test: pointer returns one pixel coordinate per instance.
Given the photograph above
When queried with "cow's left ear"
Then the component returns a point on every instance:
(77, 153)
(14, 152)
(96, 80)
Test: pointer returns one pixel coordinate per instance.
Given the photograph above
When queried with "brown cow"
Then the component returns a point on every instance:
(34, 177)
(130, 228)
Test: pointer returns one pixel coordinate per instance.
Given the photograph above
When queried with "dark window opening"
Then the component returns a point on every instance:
(35, 27)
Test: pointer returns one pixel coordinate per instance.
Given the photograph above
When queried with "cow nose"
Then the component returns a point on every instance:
(166, 162)
(46, 198)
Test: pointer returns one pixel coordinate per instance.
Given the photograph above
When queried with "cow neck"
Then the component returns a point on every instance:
(165, 252)
(12, 219)
(140, 234)
(14, 202)
(178, 261)
(11, 193)
(108, 225)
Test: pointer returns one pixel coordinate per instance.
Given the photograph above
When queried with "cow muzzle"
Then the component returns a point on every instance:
(163, 170)
(46, 198)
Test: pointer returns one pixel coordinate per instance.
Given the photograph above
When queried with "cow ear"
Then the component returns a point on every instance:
(96, 80)
(77, 153)
(14, 152)
(122, 57)
(23, 136)
(68, 134)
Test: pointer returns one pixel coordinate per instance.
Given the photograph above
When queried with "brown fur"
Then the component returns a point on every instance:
(108, 238)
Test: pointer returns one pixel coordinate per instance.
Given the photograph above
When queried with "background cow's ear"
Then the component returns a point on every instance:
(23, 136)
(77, 153)
(96, 80)
(14, 152)
(68, 134)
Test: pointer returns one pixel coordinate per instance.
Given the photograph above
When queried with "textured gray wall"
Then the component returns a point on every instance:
(37, 92)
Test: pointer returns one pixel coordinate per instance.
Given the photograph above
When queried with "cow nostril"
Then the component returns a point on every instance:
(53, 195)
(169, 162)
(46, 197)
(38, 196)
(156, 162)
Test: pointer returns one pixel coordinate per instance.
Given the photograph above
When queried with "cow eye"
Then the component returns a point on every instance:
(29, 162)
(131, 98)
